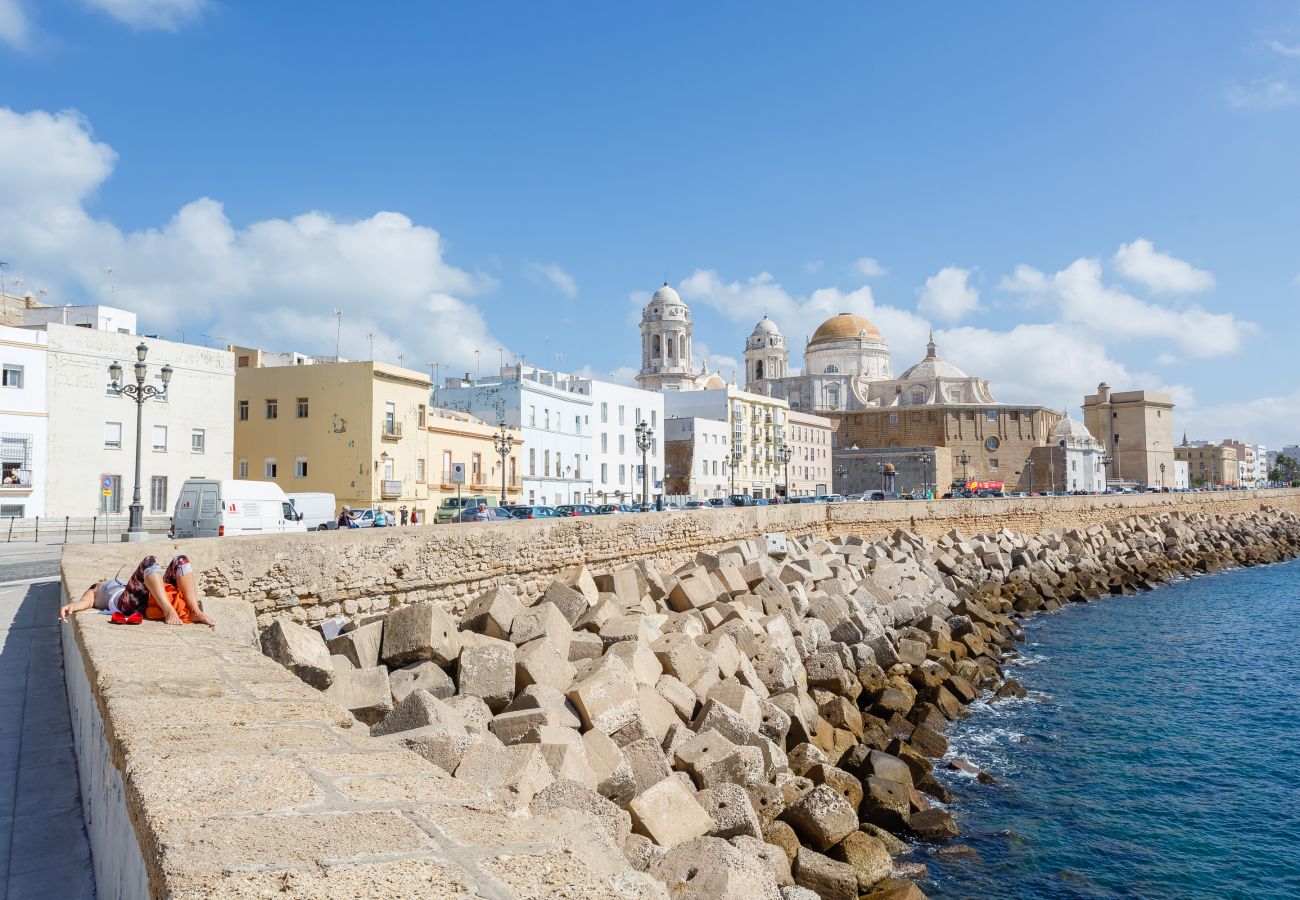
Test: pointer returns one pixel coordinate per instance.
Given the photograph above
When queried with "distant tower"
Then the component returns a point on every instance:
(766, 355)
(666, 344)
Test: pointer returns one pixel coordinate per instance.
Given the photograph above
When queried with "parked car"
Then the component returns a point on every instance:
(211, 507)
(886, 495)
(576, 509)
(671, 507)
(450, 506)
(533, 512)
(741, 500)
(719, 502)
(316, 511)
(698, 504)
(470, 514)
(644, 507)
(611, 509)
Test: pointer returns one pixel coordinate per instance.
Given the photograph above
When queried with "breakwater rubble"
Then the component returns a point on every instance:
(753, 724)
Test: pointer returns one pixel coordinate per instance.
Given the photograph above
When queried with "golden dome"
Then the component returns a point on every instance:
(845, 327)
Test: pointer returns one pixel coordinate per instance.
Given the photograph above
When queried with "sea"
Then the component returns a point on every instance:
(1158, 754)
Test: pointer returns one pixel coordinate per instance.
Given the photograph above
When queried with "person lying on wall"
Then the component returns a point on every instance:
(151, 592)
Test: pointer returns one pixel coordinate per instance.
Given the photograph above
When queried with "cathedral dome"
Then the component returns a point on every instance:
(845, 327)
(932, 366)
(666, 305)
(666, 295)
(1070, 428)
(766, 326)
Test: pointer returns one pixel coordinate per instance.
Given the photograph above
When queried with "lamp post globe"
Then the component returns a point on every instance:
(503, 442)
(644, 440)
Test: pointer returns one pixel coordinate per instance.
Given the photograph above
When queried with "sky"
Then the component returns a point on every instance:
(1067, 193)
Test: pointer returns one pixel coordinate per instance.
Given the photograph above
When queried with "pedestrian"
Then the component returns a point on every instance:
(345, 518)
(482, 515)
(402, 511)
(415, 517)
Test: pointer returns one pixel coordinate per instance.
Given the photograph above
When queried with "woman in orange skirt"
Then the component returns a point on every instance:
(152, 592)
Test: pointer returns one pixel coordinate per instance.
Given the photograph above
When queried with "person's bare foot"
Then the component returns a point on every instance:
(199, 617)
(172, 619)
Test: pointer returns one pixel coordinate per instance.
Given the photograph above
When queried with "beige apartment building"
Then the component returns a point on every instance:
(353, 429)
(756, 425)
(1137, 430)
(1210, 465)
(457, 437)
(808, 473)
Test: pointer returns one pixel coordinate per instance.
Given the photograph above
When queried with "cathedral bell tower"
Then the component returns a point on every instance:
(766, 355)
(666, 344)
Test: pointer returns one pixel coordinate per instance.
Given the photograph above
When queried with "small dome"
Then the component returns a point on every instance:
(766, 326)
(1070, 428)
(666, 295)
(714, 382)
(932, 366)
(845, 327)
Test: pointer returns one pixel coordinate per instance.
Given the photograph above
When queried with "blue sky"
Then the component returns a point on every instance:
(1066, 192)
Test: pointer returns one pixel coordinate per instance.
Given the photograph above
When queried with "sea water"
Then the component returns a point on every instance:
(1157, 756)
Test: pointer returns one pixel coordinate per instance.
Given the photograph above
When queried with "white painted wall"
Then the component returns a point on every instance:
(615, 412)
(710, 454)
(24, 420)
(201, 396)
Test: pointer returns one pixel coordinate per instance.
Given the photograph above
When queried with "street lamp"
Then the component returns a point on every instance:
(880, 466)
(139, 392)
(840, 472)
(1029, 464)
(924, 459)
(1162, 476)
(964, 459)
(785, 454)
(644, 437)
(504, 443)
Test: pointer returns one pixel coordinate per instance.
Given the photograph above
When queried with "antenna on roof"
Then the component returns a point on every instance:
(112, 287)
(338, 331)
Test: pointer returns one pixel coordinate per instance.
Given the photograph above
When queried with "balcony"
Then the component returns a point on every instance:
(391, 431)
(390, 490)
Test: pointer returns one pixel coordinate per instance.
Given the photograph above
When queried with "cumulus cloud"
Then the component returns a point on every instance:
(1266, 420)
(556, 276)
(15, 27)
(1282, 49)
(272, 283)
(869, 267)
(1160, 273)
(948, 295)
(1263, 93)
(1085, 303)
(797, 317)
(164, 15)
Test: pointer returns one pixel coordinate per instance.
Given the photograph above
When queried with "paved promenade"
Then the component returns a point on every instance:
(43, 848)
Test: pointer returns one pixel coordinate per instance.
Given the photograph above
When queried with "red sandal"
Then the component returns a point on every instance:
(134, 619)
(118, 619)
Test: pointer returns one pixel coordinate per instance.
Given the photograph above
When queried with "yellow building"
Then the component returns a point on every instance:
(353, 429)
(1137, 430)
(756, 426)
(457, 437)
(1210, 465)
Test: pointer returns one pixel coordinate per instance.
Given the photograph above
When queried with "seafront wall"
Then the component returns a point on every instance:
(313, 576)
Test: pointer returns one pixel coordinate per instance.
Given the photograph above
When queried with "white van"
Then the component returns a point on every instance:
(316, 509)
(209, 507)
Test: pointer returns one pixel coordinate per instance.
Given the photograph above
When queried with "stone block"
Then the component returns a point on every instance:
(580, 578)
(425, 676)
(473, 711)
(584, 645)
(341, 663)
(704, 749)
(780, 834)
(740, 699)
(544, 620)
(681, 697)
(691, 592)
(625, 583)
(767, 801)
(493, 613)
(648, 764)
(301, 650)
(436, 743)
(361, 645)
(829, 879)
(839, 781)
(821, 818)
(639, 659)
(867, 855)
(571, 602)
(729, 807)
(614, 776)
(513, 726)
(542, 662)
(571, 795)
(517, 772)
(607, 699)
(743, 765)
(656, 712)
(363, 692)
(681, 657)
(419, 709)
(709, 868)
(420, 631)
(773, 858)
(488, 672)
(668, 813)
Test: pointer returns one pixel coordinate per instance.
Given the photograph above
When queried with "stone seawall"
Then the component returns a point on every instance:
(313, 576)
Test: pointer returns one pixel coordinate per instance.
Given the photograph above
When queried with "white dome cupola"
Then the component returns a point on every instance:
(666, 343)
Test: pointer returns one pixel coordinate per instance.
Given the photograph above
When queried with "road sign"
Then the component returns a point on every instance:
(106, 482)
(457, 473)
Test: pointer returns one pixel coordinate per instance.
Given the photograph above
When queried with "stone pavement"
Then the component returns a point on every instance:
(43, 847)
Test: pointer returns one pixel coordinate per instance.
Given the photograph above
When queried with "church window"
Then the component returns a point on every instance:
(833, 397)
(758, 369)
(893, 418)
(832, 369)
(992, 415)
(993, 463)
(918, 395)
(681, 346)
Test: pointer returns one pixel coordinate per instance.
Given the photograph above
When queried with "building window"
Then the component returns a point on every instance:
(302, 407)
(654, 415)
(622, 444)
(893, 418)
(12, 376)
(158, 494)
(243, 468)
(388, 470)
(273, 409)
(532, 460)
(1117, 438)
(546, 419)
(622, 473)
(420, 414)
(16, 456)
(390, 418)
(476, 468)
(620, 414)
(419, 467)
(604, 472)
(546, 463)
(300, 467)
(604, 442)
(269, 468)
(113, 435)
(243, 410)
(198, 440)
(11, 510)
(446, 467)
(160, 438)
(832, 369)
(993, 463)
(991, 415)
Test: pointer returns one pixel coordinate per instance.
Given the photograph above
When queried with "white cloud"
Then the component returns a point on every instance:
(948, 295)
(814, 265)
(869, 267)
(560, 279)
(1086, 304)
(1284, 49)
(15, 27)
(1266, 420)
(1159, 272)
(166, 15)
(1263, 93)
(272, 283)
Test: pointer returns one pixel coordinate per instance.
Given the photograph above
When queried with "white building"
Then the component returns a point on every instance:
(554, 412)
(23, 422)
(1182, 474)
(91, 431)
(756, 426)
(809, 439)
(616, 411)
(696, 457)
(1074, 459)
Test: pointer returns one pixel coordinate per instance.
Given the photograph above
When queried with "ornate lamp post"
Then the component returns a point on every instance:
(139, 392)
(840, 472)
(925, 459)
(504, 443)
(964, 459)
(880, 467)
(785, 454)
(644, 438)
(1029, 464)
(1162, 475)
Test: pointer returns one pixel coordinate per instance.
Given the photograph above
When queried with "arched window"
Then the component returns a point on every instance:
(658, 346)
(918, 396)
(672, 347)
(832, 369)
(681, 346)
(758, 370)
(833, 396)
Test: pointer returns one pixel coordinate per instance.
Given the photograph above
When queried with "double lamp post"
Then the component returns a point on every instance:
(139, 392)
